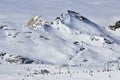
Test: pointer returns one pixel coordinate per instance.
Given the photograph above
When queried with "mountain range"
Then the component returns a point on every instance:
(70, 39)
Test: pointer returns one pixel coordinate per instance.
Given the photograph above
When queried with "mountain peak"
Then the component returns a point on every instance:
(76, 15)
(35, 21)
(72, 12)
(74, 40)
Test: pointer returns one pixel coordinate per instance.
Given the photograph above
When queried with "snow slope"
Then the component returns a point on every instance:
(70, 39)
(37, 72)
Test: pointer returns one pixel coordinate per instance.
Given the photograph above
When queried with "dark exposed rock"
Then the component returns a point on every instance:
(85, 60)
(82, 48)
(15, 59)
(108, 41)
(26, 61)
(2, 26)
(58, 18)
(116, 26)
(44, 38)
(45, 71)
(76, 43)
(2, 54)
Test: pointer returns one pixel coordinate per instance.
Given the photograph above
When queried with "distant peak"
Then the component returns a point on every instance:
(37, 16)
(72, 12)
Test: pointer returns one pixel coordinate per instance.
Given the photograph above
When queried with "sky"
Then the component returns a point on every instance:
(102, 12)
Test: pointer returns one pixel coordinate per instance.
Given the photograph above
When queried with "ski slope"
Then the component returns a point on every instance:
(35, 72)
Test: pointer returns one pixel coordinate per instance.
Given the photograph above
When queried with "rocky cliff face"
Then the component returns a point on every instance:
(35, 22)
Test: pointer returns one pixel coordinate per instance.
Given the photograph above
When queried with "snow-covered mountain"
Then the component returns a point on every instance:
(70, 39)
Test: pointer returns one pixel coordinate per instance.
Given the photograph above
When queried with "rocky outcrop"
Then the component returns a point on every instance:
(116, 26)
(35, 22)
(6, 58)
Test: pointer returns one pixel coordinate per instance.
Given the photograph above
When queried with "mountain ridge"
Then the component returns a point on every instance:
(71, 39)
